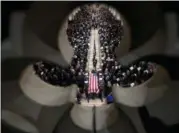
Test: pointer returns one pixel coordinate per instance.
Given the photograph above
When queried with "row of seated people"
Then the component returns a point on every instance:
(126, 76)
(131, 75)
(53, 73)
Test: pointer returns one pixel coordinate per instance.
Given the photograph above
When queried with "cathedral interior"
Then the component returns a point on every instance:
(90, 67)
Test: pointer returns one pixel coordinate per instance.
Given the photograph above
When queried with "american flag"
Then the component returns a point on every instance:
(93, 83)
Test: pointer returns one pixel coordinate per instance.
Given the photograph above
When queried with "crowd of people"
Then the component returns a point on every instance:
(110, 32)
(112, 72)
(78, 31)
(130, 76)
(53, 73)
(135, 74)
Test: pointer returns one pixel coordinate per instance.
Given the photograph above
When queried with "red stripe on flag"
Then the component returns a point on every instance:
(97, 87)
(89, 85)
(93, 84)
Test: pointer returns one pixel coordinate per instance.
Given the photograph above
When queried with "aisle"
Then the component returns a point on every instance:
(89, 66)
(98, 51)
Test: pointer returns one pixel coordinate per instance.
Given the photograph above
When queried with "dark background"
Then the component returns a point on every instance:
(7, 7)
